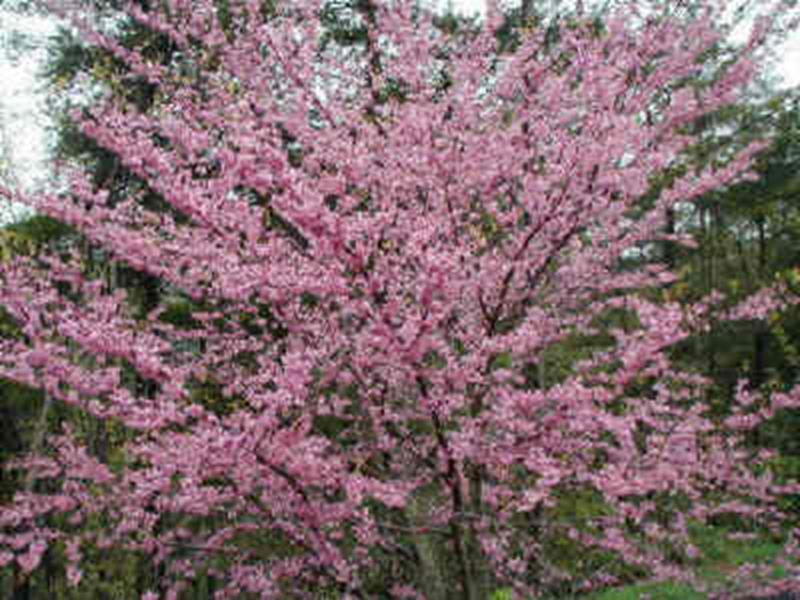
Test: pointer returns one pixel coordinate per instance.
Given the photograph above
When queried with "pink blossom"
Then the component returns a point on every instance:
(374, 288)
(31, 559)
(74, 575)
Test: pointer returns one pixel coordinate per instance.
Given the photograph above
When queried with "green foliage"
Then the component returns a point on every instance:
(108, 573)
(27, 237)
(179, 314)
(559, 358)
(18, 407)
(503, 594)
(786, 469)
(209, 393)
(38, 229)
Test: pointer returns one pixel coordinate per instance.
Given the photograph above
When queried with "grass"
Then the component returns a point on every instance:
(720, 557)
(655, 591)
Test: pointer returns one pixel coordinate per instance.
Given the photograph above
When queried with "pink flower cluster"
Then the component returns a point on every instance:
(372, 275)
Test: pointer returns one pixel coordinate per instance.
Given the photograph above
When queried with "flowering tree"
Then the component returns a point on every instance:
(376, 241)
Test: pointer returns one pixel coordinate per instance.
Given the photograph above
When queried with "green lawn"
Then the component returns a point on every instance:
(720, 556)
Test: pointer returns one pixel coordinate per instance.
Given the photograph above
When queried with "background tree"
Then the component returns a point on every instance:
(745, 237)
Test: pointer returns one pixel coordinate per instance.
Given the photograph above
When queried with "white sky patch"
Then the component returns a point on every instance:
(21, 96)
(789, 68)
(22, 116)
(464, 7)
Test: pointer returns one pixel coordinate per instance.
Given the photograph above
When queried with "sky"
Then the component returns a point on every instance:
(22, 100)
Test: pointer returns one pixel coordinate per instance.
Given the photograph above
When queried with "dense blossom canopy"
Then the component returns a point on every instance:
(378, 241)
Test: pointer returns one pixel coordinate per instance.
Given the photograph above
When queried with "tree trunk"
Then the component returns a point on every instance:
(760, 338)
(38, 436)
(452, 564)
(433, 569)
(669, 247)
(526, 9)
